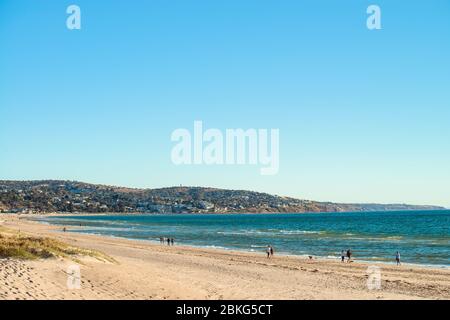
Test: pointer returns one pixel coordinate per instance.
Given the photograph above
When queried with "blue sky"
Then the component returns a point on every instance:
(363, 115)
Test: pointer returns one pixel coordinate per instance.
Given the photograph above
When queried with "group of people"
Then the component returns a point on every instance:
(169, 241)
(269, 251)
(348, 254)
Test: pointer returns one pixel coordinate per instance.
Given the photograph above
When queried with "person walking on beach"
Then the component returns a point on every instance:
(271, 251)
(349, 255)
(161, 240)
(168, 241)
(342, 256)
(268, 251)
(171, 241)
(397, 258)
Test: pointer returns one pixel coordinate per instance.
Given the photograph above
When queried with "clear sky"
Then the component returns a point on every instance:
(364, 116)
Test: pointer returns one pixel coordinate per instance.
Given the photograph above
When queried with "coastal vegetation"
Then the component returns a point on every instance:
(13, 244)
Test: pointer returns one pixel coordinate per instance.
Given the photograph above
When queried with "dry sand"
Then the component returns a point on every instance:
(152, 271)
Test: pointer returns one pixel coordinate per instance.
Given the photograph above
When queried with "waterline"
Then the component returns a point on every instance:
(421, 236)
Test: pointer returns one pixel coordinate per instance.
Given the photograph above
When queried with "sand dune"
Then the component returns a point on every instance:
(151, 271)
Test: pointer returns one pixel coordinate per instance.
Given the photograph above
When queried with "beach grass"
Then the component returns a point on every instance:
(13, 244)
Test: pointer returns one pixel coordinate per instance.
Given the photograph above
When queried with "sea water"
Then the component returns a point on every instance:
(422, 237)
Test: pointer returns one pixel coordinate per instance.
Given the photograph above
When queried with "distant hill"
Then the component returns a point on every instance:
(75, 197)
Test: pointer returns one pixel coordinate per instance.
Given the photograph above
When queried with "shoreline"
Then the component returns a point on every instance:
(147, 270)
(199, 246)
(262, 252)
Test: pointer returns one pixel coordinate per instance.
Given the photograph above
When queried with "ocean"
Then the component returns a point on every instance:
(422, 237)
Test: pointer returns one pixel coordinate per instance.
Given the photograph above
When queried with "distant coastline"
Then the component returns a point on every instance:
(58, 196)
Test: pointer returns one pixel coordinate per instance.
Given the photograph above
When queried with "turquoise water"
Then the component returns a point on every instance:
(422, 237)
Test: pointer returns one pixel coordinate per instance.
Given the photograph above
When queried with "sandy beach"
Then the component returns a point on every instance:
(145, 270)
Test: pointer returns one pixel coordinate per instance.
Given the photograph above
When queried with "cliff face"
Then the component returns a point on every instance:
(72, 196)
